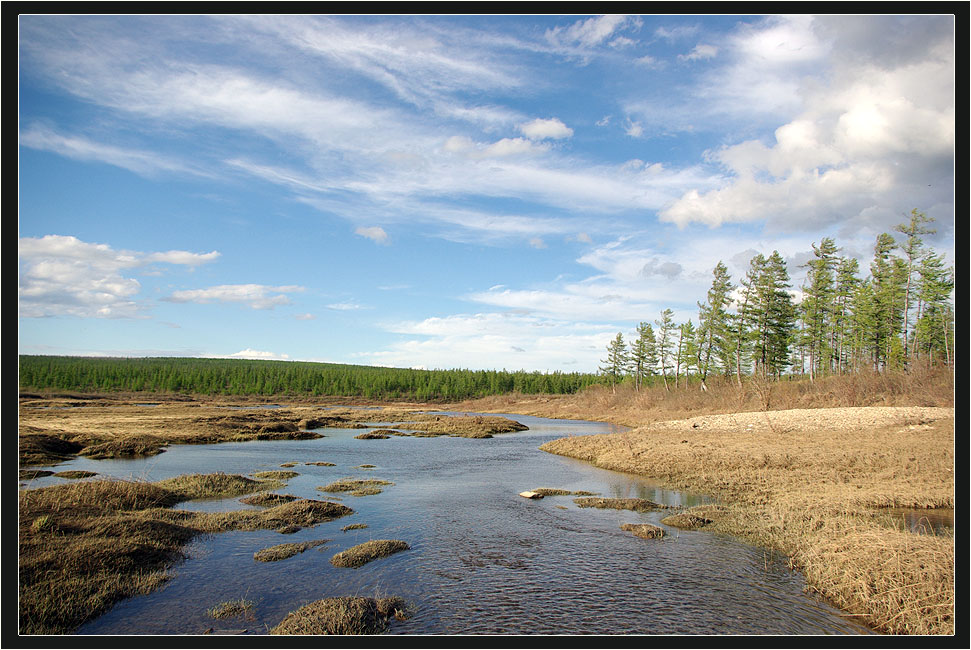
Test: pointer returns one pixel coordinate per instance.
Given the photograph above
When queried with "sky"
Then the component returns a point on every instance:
(482, 192)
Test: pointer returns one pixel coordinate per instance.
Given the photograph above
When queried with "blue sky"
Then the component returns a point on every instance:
(452, 191)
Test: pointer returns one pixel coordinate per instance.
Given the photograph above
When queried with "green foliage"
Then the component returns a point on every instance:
(268, 378)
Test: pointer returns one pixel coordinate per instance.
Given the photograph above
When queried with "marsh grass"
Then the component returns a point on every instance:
(284, 551)
(356, 487)
(359, 555)
(556, 492)
(343, 615)
(372, 435)
(231, 608)
(637, 505)
(277, 475)
(128, 447)
(686, 521)
(86, 545)
(646, 531)
(267, 499)
(75, 474)
(353, 527)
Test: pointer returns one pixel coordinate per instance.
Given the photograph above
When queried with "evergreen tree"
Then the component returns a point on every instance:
(933, 331)
(687, 351)
(889, 276)
(847, 284)
(617, 361)
(644, 353)
(665, 342)
(913, 250)
(713, 322)
(818, 305)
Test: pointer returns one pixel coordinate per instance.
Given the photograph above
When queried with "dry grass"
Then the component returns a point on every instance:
(637, 505)
(930, 387)
(647, 531)
(361, 554)
(267, 499)
(344, 615)
(86, 545)
(231, 608)
(284, 551)
(556, 492)
(356, 487)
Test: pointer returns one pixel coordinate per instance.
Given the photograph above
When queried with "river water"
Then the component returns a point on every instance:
(483, 560)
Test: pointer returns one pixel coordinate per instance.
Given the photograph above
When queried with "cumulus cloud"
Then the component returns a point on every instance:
(62, 275)
(876, 139)
(255, 296)
(374, 233)
(540, 129)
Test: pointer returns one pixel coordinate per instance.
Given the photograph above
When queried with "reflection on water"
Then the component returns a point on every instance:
(483, 560)
(939, 521)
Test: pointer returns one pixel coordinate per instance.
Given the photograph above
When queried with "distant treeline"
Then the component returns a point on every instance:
(245, 377)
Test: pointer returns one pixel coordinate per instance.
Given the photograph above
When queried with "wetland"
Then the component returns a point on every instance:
(453, 538)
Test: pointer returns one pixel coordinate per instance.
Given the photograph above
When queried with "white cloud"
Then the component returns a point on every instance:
(62, 275)
(255, 296)
(250, 353)
(873, 140)
(374, 233)
(586, 33)
(700, 53)
(144, 163)
(345, 306)
(540, 129)
(496, 341)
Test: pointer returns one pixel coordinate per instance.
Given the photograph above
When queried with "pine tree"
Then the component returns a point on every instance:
(713, 321)
(665, 342)
(847, 283)
(687, 351)
(617, 361)
(913, 250)
(817, 305)
(644, 353)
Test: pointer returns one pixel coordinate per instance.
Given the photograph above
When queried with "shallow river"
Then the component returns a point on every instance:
(483, 560)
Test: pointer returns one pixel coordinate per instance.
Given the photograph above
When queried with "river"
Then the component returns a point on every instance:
(483, 560)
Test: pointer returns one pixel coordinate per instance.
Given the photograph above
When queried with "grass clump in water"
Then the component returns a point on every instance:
(353, 527)
(686, 520)
(231, 608)
(647, 531)
(276, 475)
(556, 492)
(343, 615)
(284, 551)
(637, 505)
(75, 473)
(321, 464)
(267, 499)
(357, 487)
(209, 486)
(361, 554)
(372, 435)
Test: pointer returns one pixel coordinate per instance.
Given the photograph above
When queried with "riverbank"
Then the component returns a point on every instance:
(818, 485)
